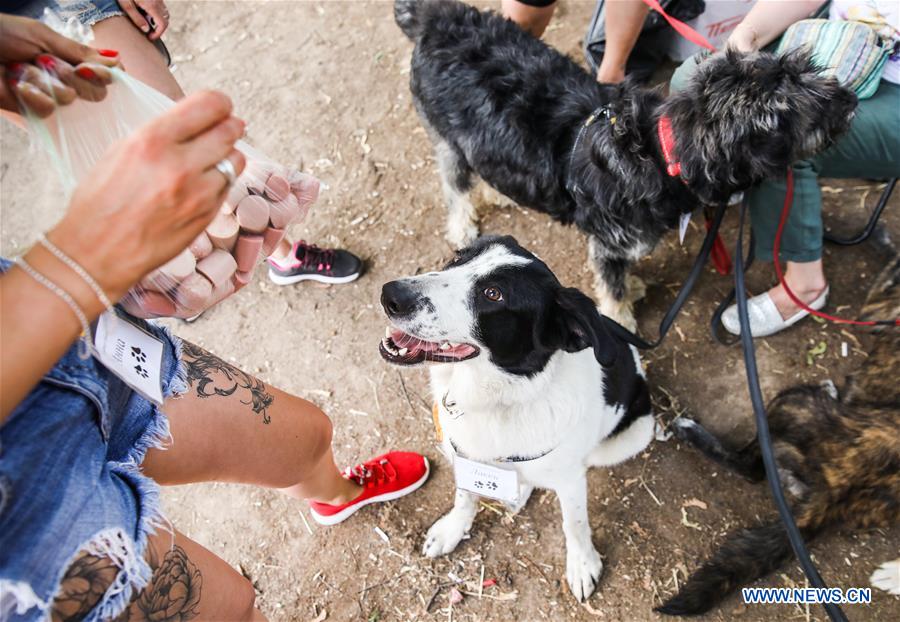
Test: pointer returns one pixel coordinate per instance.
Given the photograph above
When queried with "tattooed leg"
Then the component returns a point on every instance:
(210, 376)
(187, 583)
(82, 587)
(232, 427)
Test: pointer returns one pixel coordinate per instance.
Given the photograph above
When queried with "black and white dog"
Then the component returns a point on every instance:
(528, 379)
(621, 162)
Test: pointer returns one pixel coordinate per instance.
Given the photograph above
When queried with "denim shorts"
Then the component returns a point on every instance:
(70, 481)
(88, 12)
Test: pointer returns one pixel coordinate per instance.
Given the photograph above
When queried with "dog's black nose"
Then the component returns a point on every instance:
(398, 299)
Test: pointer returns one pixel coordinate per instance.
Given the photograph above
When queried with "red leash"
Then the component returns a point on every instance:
(785, 212)
(680, 27)
(719, 255)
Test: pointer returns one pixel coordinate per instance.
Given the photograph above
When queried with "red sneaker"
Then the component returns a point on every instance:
(385, 478)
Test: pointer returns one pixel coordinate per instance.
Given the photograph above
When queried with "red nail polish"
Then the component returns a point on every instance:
(86, 72)
(15, 68)
(46, 61)
(108, 53)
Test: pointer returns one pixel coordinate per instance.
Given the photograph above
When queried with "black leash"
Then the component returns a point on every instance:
(765, 440)
(715, 323)
(762, 426)
(739, 292)
(873, 219)
(683, 294)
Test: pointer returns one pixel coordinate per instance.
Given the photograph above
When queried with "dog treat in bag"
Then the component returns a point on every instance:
(223, 258)
(262, 202)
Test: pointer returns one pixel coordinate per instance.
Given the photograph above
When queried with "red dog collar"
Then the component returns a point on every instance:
(667, 142)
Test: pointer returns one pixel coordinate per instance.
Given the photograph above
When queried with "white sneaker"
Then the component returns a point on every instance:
(765, 319)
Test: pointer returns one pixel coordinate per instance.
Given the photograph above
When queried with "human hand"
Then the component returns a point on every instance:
(744, 38)
(150, 16)
(152, 193)
(42, 69)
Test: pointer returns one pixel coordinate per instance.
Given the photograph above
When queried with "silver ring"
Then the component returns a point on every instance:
(227, 168)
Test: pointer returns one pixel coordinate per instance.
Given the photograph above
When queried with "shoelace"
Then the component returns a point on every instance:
(321, 258)
(371, 474)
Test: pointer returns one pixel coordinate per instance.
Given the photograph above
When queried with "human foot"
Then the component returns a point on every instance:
(765, 317)
(807, 294)
(385, 478)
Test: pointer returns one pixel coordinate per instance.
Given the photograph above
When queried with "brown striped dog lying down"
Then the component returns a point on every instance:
(838, 455)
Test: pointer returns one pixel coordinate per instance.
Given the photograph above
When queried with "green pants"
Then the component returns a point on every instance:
(871, 149)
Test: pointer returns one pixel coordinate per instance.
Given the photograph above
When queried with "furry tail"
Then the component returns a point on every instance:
(406, 14)
(744, 556)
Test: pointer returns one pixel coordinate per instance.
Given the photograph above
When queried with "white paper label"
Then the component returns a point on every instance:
(132, 354)
(486, 480)
(683, 225)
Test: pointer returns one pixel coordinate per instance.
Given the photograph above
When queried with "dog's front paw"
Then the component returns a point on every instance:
(583, 570)
(636, 288)
(829, 387)
(492, 197)
(525, 491)
(444, 535)
(620, 312)
(685, 429)
(461, 233)
(887, 577)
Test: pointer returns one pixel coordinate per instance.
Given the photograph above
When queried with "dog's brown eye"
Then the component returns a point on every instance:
(493, 294)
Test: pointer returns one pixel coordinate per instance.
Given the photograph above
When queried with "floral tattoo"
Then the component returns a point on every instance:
(212, 376)
(173, 594)
(84, 584)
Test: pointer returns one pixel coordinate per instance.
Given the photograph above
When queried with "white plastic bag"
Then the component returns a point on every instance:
(263, 201)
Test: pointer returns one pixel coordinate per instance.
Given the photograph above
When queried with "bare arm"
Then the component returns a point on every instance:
(117, 233)
(767, 20)
(36, 328)
(624, 20)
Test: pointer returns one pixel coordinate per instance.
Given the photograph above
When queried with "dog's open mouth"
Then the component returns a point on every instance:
(401, 349)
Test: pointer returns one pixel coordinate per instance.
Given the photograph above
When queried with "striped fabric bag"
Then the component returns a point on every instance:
(850, 51)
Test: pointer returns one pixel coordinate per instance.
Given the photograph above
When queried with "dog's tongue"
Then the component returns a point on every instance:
(461, 351)
(414, 344)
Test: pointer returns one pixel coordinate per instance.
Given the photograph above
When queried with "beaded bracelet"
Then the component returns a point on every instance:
(85, 344)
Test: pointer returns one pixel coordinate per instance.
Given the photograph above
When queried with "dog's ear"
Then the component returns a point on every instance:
(831, 104)
(576, 324)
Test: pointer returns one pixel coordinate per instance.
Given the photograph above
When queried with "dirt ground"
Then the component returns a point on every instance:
(324, 86)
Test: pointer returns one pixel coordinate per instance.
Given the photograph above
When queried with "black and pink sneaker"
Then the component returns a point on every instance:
(385, 478)
(308, 262)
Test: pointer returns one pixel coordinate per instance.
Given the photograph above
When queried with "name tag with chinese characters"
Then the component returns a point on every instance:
(683, 223)
(132, 354)
(486, 480)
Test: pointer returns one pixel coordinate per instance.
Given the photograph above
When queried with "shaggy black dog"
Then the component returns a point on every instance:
(838, 455)
(503, 106)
